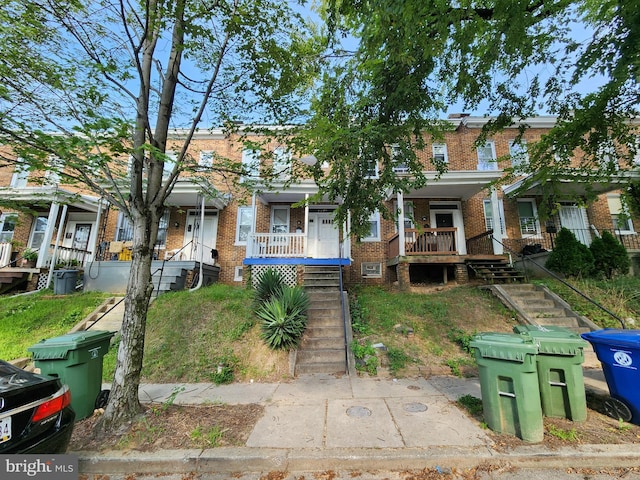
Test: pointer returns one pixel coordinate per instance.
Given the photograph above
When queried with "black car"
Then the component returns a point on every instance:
(35, 412)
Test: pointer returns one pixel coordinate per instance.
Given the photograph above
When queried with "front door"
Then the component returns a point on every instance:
(192, 234)
(81, 236)
(324, 238)
(449, 215)
(573, 218)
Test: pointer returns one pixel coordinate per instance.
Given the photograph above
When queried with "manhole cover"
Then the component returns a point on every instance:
(358, 412)
(413, 387)
(415, 407)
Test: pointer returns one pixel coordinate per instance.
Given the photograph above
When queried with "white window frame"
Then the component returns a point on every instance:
(251, 162)
(440, 150)
(282, 162)
(616, 209)
(487, 156)
(4, 220)
(607, 155)
(402, 167)
(205, 159)
(52, 177)
(169, 162)
(409, 220)
(374, 220)
(487, 220)
(536, 221)
(20, 177)
(365, 265)
(280, 227)
(372, 172)
(237, 273)
(245, 219)
(519, 154)
(36, 237)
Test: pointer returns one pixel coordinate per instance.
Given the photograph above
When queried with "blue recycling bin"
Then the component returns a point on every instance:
(619, 352)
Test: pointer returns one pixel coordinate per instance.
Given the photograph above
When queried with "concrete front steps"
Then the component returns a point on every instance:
(323, 346)
(537, 305)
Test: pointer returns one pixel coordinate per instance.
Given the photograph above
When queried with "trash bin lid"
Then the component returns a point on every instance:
(615, 337)
(506, 346)
(553, 340)
(58, 348)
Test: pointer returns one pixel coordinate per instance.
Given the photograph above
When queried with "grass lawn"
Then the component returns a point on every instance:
(27, 319)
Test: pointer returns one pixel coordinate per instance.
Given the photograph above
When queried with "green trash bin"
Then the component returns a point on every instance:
(560, 377)
(509, 384)
(75, 358)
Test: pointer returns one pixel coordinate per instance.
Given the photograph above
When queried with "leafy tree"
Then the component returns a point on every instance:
(610, 256)
(569, 256)
(412, 59)
(110, 78)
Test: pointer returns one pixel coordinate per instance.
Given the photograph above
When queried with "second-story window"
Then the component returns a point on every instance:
(440, 155)
(282, 162)
(206, 159)
(19, 177)
(487, 157)
(251, 162)
(519, 155)
(399, 164)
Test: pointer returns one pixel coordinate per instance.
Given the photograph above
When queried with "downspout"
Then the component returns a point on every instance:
(63, 217)
(497, 223)
(201, 240)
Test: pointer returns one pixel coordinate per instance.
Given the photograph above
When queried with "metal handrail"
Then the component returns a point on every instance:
(344, 312)
(526, 258)
(165, 260)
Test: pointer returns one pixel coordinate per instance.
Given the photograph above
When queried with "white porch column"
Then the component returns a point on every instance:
(63, 217)
(400, 200)
(346, 238)
(43, 253)
(306, 225)
(498, 249)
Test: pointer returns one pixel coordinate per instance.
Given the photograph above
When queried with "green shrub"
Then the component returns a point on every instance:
(569, 256)
(610, 256)
(270, 284)
(284, 318)
(366, 358)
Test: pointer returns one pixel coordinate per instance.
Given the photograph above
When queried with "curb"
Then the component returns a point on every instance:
(230, 459)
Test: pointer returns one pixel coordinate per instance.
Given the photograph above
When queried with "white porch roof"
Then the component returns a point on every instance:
(573, 184)
(462, 184)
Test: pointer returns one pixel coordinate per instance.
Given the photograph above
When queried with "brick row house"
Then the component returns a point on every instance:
(208, 234)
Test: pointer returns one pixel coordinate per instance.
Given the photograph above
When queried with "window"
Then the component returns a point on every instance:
(399, 165)
(528, 217)
(244, 224)
(519, 155)
(124, 232)
(488, 216)
(237, 273)
(282, 162)
(169, 162)
(251, 162)
(206, 159)
(487, 157)
(52, 177)
(20, 176)
(161, 241)
(440, 155)
(371, 269)
(280, 220)
(608, 157)
(374, 229)
(370, 168)
(408, 215)
(7, 226)
(620, 218)
(37, 234)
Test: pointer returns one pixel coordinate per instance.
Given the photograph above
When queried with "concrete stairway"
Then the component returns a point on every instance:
(537, 305)
(322, 349)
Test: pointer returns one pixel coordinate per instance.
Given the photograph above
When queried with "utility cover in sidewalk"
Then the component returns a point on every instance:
(415, 407)
(358, 412)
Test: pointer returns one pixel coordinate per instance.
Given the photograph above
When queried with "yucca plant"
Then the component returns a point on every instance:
(284, 318)
(270, 284)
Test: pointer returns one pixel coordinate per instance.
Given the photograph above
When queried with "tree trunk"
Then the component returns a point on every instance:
(124, 403)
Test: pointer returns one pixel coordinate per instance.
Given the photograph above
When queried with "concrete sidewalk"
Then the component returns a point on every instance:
(320, 422)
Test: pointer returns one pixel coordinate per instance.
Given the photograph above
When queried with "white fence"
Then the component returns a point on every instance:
(276, 245)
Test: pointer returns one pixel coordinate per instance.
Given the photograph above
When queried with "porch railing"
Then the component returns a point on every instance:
(481, 244)
(276, 245)
(425, 241)
(69, 257)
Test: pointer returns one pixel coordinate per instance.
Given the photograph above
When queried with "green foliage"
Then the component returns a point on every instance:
(610, 256)
(270, 284)
(472, 404)
(366, 358)
(461, 338)
(223, 366)
(398, 359)
(567, 435)
(358, 316)
(569, 256)
(207, 437)
(284, 318)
